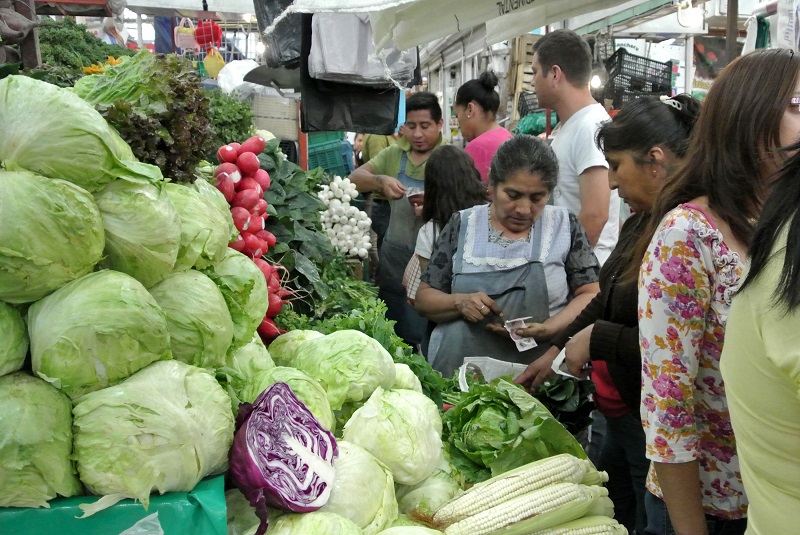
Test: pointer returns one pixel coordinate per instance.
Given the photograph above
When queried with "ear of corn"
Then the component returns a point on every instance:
(588, 525)
(541, 509)
(562, 468)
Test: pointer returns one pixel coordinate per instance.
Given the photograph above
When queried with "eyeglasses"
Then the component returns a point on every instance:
(794, 103)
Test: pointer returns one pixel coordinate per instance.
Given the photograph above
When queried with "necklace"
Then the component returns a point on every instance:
(496, 236)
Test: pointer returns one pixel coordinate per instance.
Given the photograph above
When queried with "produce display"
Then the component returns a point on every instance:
(346, 225)
(164, 320)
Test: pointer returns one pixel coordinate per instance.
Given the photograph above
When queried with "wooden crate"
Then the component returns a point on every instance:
(521, 71)
(277, 115)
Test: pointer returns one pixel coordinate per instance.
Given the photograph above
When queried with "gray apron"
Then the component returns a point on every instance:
(395, 252)
(519, 292)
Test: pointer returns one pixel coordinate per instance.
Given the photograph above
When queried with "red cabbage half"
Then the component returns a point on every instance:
(281, 456)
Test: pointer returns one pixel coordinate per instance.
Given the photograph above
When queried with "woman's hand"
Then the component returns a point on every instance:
(539, 370)
(540, 332)
(475, 307)
(577, 354)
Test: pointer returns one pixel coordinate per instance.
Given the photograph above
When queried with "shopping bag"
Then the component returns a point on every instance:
(213, 62)
(184, 34)
(411, 278)
(208, 34)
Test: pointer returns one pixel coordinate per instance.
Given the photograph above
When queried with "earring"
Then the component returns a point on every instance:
(654, 172)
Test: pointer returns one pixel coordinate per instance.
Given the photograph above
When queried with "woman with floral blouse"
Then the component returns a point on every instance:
(693, 257)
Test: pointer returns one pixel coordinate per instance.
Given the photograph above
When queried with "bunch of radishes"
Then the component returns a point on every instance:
(346, 226)
(242, 181)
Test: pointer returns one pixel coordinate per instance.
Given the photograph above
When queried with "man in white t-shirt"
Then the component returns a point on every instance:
(562, 67)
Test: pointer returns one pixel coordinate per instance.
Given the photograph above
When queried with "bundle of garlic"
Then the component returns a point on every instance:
(346, 226)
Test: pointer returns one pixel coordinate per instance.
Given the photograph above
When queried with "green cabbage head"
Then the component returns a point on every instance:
(162, 429)
(349, 364)
(96, 331)
(315, 522)
(13, 339)
(59, 135)
(244, 288)
(205, 227)
(429, 494)
(308, 390)
(402, 428)
(35, 443)
(200, 327)
(406, 379)
(363, 489)
(241, 366)
(143, 230)
(284, 348)
(51, 233)
(410, 530)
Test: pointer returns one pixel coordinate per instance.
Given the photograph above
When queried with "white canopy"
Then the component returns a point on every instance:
(409, 23)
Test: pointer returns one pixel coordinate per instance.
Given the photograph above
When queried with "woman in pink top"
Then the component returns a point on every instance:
(476, 108)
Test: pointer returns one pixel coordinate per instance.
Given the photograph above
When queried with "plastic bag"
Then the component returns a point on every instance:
(149, 525)
(213, 63)
(232, 75)
(282, 44)
(489, 368)
(184, 34)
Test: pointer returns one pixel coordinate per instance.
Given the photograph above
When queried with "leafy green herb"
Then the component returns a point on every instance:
(68, 45)
(156, 103)
(231, 118)
(569, 400)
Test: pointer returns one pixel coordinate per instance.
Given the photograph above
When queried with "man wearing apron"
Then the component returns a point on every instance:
(396, 171)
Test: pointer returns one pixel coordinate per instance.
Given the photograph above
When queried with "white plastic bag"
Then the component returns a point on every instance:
(149, 525)
(488, 367)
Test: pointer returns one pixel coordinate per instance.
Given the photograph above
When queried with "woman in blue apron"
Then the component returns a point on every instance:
(515, 258)
(396, 250)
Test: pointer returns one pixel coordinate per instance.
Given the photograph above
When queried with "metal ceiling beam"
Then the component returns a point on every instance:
(640, 13)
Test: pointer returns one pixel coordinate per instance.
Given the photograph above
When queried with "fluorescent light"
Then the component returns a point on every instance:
(667, 42)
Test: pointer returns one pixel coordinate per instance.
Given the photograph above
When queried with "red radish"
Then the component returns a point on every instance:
(273, 284)
(237, 244)
(248, 163)
(260, 208)
(252, 245)
(275, 305)
(268, 237)
(264, 266)
(230, 170)
(283, 293)
(241, 218)
(226, 153)
(226, 187)
(255, 145)
(247, 199)
(257, 225)
(269, 330)
(249, 183)
(263, 179)
(236, 146)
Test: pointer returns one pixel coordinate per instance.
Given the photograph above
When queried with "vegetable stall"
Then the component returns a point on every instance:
(184, 347)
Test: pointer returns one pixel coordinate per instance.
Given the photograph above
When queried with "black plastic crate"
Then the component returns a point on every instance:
(528, 103)
(631, 76)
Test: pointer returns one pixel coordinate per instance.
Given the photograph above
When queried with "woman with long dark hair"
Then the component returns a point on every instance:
(643, 145)
(692, 258)
(761, 359)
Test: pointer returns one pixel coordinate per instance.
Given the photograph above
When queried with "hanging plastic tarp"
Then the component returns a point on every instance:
(333, 106)
(409, 23)
(282, 42)
(342, 50)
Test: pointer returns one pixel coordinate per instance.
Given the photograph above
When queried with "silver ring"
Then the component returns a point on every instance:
(484, 306)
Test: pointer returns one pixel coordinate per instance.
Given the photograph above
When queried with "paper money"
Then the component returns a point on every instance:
(523, 343)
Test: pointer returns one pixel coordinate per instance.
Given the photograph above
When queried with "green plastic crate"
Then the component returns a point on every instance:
(331, 156)
(315, 138)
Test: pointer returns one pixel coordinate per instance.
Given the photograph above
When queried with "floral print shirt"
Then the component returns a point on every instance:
(686, 283)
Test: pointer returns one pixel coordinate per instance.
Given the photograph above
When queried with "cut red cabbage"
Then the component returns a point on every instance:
(282, 457)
